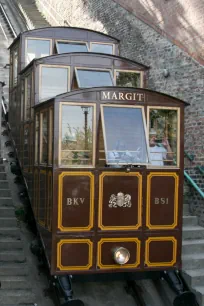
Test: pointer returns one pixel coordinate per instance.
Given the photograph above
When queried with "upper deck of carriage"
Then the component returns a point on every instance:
(42, 42)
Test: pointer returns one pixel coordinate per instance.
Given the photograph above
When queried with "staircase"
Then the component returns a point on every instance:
(193, 254)
(15, 287)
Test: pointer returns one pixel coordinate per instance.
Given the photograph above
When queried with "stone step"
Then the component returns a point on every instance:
(17, 296)
(12, 256)
(9, 232)
(2, 168)
(13, 269)
(193, 232)
(5, 193)
(192, 261)
(14, 282)
(8, 222)
(199, 292)
(186, 209)
(10, 244)
(190, 220)
(5, 201)
(7, 212)
(194, 277)
(4, 185)
(3, 176)
(193, 246)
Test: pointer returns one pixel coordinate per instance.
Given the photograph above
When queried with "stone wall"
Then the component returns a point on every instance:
(142, 43)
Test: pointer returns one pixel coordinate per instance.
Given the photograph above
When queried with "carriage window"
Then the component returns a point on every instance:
(124, 135)
(44, 139)
(15, 67)
(37, 48)
(50, 135)
(128, 79)
(163, 143)
(65, 47)
(102, 48)
(93, 78)
(77, 135)
(22, 97)
(28, 82)
(53, 81)
(36, 138)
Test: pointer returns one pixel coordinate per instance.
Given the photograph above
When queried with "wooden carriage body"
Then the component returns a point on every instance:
(78, 206)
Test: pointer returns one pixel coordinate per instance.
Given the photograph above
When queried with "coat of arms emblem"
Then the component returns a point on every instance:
(120, 200)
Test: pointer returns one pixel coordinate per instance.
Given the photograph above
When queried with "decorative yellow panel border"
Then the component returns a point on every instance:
(175, 223)
(134, 265)
(160, 264)
(133, 227)
(79, 241)
(91, 214)
(49, 196)
(42, 223)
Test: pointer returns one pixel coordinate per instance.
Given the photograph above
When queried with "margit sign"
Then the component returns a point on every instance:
(123, 96)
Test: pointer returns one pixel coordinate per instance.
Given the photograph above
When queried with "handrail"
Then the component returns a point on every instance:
(190, 156)
(8, 21)
(187, 176)
(201, 169)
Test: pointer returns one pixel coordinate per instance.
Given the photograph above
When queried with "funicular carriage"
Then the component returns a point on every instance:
(103, 161)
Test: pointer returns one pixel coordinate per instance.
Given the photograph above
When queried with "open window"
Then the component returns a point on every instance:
(54, 80)
(77, 141)
(124, 135)
(36, 48)
(125, 78)
(87, 78)
(71, 46)
(102, 48)
(164, 136)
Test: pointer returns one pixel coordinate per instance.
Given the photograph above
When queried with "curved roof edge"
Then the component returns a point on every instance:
(83, 53)
(92, 89)
(62, 27)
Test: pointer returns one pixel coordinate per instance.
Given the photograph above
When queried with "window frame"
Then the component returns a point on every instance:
(92, 165)
(177, 166)
(102, 43)
(29, 74)
(36, 38)
(81, 42)
(36, 155)
(40, 79)
(132, 71)
(41, 139)
(50, 135)
(93, 69)
(104, 131)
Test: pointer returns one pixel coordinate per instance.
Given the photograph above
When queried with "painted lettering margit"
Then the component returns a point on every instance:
(75, 201)
(120, 200)
(123, 96)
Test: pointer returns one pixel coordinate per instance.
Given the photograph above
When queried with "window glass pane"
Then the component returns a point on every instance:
(44, 138)
(37, 48)
(28, 97)
(102, 48)
(15, 67)
(128, 79)
(26, 146)
(50, 135)
(36, 138)
(93, 78)
(124, 136)
(64, 47)
(54, 81)
(163, 137)
(77, 135)
(22, 97)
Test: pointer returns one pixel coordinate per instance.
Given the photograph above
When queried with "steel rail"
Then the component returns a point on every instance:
(8, 21)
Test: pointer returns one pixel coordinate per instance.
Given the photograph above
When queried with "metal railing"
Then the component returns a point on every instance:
(189, 179)
(8, 21)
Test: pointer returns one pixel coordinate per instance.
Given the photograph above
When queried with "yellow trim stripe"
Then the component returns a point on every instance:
(100, 210)
(60, 193)
(148, 214)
